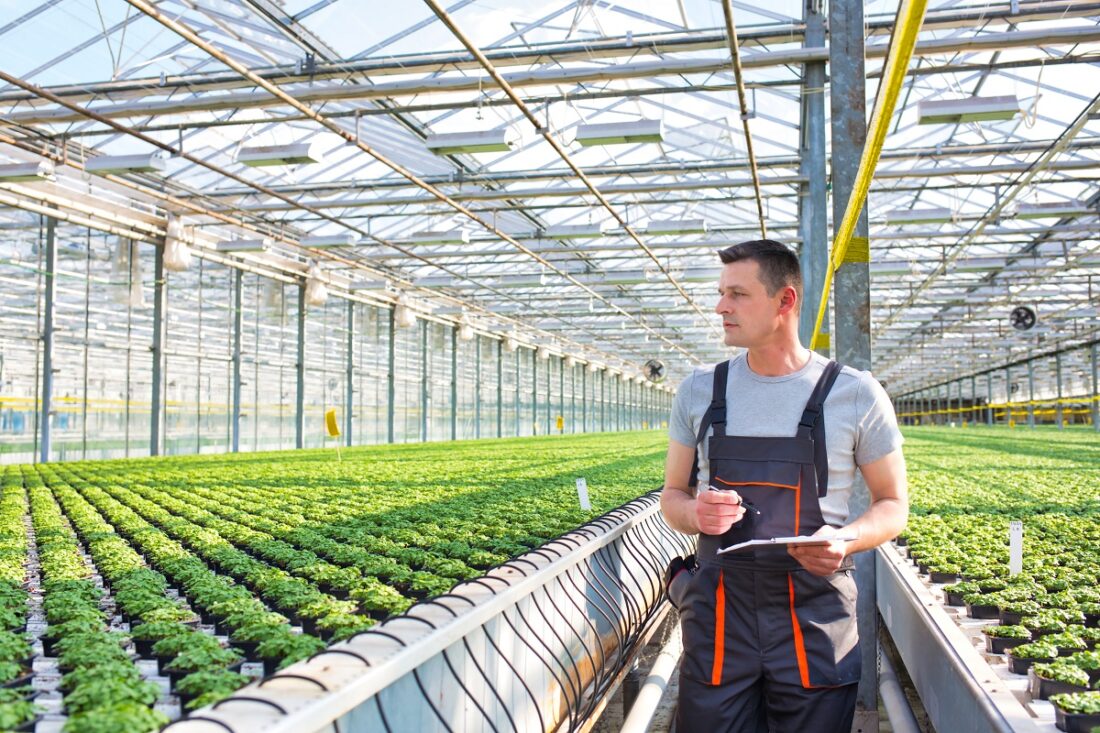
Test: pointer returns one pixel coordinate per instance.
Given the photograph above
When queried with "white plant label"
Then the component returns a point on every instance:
(1015, 548)
(582, 494)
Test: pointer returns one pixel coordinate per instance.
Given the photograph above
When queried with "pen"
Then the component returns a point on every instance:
(750, 507)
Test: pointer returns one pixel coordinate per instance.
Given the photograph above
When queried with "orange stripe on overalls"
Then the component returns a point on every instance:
(799, 647)
(719, 629)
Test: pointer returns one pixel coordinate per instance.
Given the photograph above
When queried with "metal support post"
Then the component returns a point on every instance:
(573, 399)
(47, 339)
(1058, 384)
(425, 385)
(300, 397)
(391, 375)
(1095, 393)
(534, 393)
(812, 195)
(454, 382)
(349, 386)
(561, 392)
(852, 299)
(584, 392)
(973, 399)
(500, 388)
(989, 398)
(1008, 395)
(477, 386)
(156, 408)
(515, 396)
(235, 410)
(1030, 393)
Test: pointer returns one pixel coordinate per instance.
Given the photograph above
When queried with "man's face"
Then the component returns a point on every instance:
(749, 315)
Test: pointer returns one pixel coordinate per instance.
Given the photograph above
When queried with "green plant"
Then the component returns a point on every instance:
(1078, 703)
(16, 712)
(1062, 671)
(126, 717)
(1007, 632)
(203, 659)
(1034, 650)
(94, 694)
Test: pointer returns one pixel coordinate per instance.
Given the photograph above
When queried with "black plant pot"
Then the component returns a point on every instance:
(1042, 689)
(144, 647)
(1092, 619)
(1075, 722)
(999, 644)
(247, 648)
(29, 726)
(982, 611)
(24, 678)
(944, 577)
(954, 599)
(901, 541)
(1020, 665)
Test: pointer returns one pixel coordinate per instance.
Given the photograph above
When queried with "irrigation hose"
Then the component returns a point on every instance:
(906, 29)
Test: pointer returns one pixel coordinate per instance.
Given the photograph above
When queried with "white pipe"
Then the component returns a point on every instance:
(653, 689)
(893, 697)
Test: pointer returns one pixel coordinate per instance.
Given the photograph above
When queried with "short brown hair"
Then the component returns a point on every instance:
(778, 264)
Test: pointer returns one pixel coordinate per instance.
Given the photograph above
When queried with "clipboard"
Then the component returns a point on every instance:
(787, 541)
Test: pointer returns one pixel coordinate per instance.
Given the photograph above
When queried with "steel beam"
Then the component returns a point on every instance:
(477, 386)
(1031, 393)
(852, 300)
(425, 384)
(349, 386)
(454, 382)
(46, 396)
(1095, 402)
(235, 408)
(546, 77)
(813, 198)
(500, 388)
(300, 369)
(156, 407)
(391, 375)
(1058, 384)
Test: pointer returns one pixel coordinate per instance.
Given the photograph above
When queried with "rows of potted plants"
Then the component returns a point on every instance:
(160, 627)
(1048, 614)
(17, 707)
(316, 611)
(102, 687)
(218, 599)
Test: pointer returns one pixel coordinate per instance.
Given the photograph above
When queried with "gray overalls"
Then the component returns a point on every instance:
(768, 646)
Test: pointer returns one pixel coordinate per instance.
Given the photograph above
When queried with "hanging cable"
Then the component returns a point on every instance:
(735, 55)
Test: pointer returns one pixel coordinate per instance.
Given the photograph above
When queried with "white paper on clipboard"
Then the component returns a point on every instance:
(785, 541)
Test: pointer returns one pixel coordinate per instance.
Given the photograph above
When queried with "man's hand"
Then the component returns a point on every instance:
(821, 559)
(717, 511)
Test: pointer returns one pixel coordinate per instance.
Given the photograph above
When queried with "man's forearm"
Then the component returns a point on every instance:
(676, 505)
(880, 523)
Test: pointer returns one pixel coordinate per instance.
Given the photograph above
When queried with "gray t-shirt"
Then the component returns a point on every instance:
(860, 425)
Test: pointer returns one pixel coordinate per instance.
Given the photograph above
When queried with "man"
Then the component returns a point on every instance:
(770, 640)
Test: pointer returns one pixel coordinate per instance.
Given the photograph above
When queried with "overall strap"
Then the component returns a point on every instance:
(816, 403)
(811, 425)
(715, 415)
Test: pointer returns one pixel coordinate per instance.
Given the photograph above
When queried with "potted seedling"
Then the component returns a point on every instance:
(207, 687)
(123, 717)
(1090, 662)
(1077, 712)
(998, 639)
(1023, 656)
(1052, 678)
(1014, 611)
(1066, 642)
(286, 648)
(981, 606)
(1043, 624)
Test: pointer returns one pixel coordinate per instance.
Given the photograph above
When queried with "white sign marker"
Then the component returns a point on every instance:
(582, 494)
(1015, 547)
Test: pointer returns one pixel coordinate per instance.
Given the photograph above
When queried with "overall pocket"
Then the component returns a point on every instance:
(771, 491)
(703, 625)
(823, 620)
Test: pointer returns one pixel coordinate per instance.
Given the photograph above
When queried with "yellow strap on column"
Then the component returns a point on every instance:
(859, 250)
(906, 29)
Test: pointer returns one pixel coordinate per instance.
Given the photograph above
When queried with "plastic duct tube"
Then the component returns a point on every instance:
(653, 689)
(893, 697)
